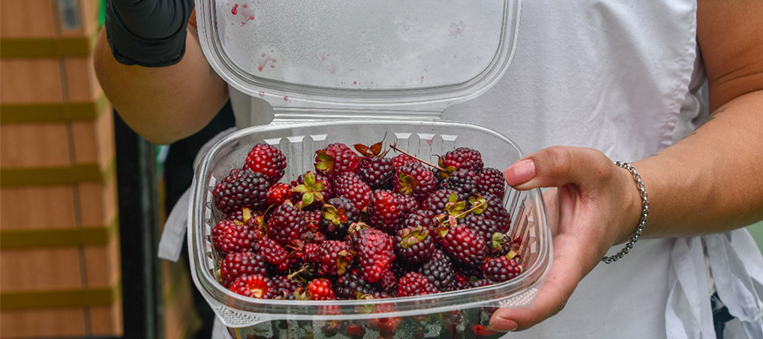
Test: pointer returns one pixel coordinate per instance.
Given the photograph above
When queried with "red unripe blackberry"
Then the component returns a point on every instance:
(413, 245)
(413, 283)
(229, 236)
(241, 188)
(374, 252)
(491, 181)
(439, 270)
(501, 268)
(337, 215)
(268, 160)
(415, 180)
(383, 212)
(286, 224)
(321, 289)
(336, 159)
(465, 246)
(278, 193)
(350, 186)
(253, 286)
(239, 263)
(377, 172)
(402, 159)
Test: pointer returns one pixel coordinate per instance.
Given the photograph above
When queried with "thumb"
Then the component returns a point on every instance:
(555, 167)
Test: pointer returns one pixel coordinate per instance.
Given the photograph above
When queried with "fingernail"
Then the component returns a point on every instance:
(520, 172)
(503, 325)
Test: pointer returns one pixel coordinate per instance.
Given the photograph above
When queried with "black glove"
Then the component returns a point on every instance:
(149, 33)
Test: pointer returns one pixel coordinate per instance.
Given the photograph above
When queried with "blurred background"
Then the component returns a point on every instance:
(83, 198)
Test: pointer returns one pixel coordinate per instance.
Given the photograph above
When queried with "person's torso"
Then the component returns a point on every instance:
(621, 77)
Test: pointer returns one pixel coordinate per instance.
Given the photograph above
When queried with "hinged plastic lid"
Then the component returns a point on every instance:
(359, 56)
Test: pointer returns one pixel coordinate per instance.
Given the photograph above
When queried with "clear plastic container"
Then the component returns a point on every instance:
(361, 72)
(299, 141)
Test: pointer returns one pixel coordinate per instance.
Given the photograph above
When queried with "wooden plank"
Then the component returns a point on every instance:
(30, 81)
(34, 145)
(102, 264)
(106, 321)
(40, 269)
(43, 323)
(37, 207)
(81, 82)
(93, 141)
(27, 18)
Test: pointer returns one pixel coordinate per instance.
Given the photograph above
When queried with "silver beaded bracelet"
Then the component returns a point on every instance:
(644, 213)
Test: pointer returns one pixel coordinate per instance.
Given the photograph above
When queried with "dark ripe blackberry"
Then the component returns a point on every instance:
(377, 172)
(463, 181)
(240, 263)
(465, 246)
(413, 245)
(241, 188)
(317, 186)
(491, 181)
(414, 179)
(286, 286)
(337, 215)
(286, 224)
(438, 200)
(268, 160)
(483, 225)
(383, 212)
(254, 286)
(413, 283)
(439, 270)
(462, 157)
(497, 212)
(352, 187)
(474, 283)
(501, 268)
(388, 281)
(350, 284)
(406, 204)
(273, 254)
(423, 218)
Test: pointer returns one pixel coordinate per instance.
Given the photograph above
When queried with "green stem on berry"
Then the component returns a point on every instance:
(394, 147)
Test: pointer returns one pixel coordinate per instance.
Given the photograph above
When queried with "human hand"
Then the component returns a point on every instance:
(594, 204)
(149, 33)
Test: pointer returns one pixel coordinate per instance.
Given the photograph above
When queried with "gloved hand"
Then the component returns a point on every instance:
(149, 33)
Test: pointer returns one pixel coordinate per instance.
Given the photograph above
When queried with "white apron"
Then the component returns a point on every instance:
(622, 77)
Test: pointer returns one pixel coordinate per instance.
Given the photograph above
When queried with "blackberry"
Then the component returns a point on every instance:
(501, 268)
(349, 285)
(337, 215)
(267, 160)
(438, 200)
(352, 187)
(374, 252)
(254, 286)
(413, 245)
(286, 286)
(462, 157)
(422, 218)
(491, 181)
(377, 172)
(497, 212)
(241, 188)
(316, 187)
(463, 181)
(336, 159)
(406, 204)
(229, 236)
(273, 254)
(240, 263)
(413, 283)
(439, 270)
(383, 212)
(415, 180)
(465, 246)
(332, 257)
(286, 224)
(483, 225)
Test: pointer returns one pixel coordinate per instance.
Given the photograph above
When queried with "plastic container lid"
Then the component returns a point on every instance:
(358, 56)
